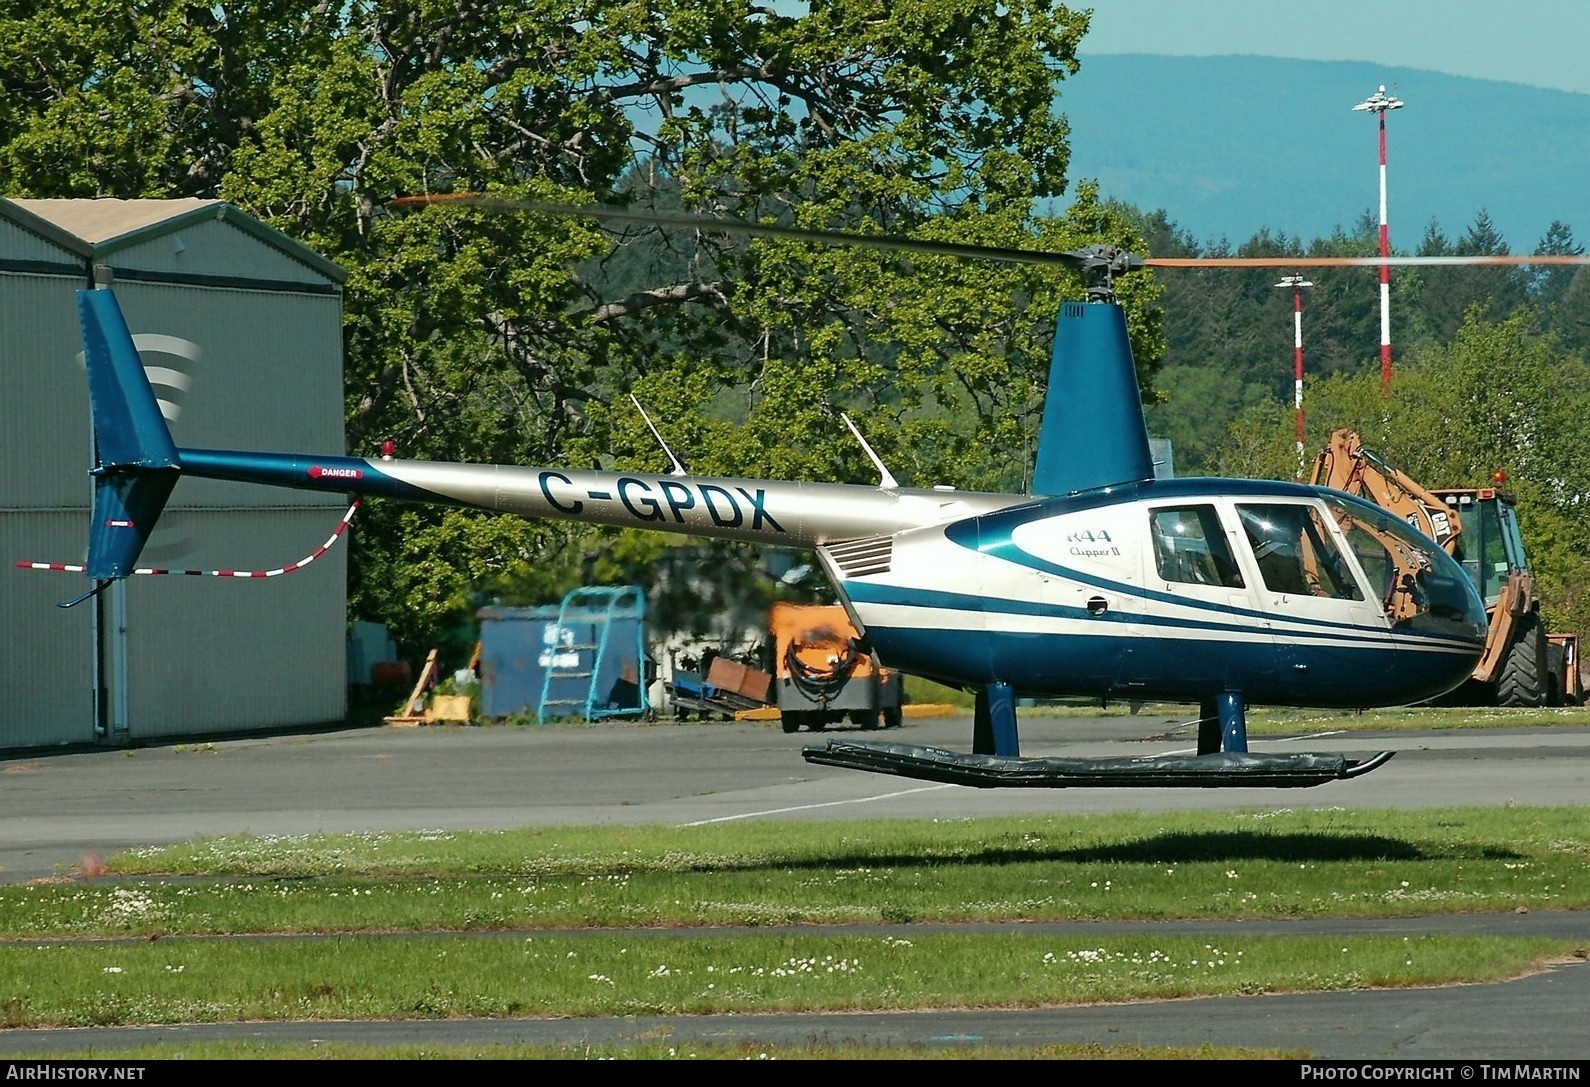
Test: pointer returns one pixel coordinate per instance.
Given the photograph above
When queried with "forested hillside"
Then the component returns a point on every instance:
(1230, 144)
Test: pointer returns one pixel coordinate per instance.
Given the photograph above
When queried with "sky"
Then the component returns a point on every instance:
(1542, 43)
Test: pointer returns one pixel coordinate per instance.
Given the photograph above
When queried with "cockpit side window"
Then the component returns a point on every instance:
(1190, 547)
(1296, 552)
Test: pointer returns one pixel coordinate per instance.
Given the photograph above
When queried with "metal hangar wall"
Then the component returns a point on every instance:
(240, 329)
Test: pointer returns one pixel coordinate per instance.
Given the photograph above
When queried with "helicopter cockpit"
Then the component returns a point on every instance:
(1330, 550)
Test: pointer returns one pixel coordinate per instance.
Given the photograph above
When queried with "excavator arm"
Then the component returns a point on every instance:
(1402, 598)
(1346, 465)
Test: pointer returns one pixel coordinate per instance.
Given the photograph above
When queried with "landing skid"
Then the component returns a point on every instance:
(1211, 771)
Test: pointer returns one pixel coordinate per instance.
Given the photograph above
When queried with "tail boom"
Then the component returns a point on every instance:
(756, 511)
(137, 464)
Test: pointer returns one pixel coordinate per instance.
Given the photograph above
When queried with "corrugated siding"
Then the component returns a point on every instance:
(46, 675)
(206, 654)
(43, 394)
(263, 370)
(17, 244)
(222, 654)
(268, 376)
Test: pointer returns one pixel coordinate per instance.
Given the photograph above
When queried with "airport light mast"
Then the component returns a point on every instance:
(1378, 103)
(1297, 283)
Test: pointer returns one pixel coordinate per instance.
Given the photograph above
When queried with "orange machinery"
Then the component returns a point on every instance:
(822, 674)
(1522, 665)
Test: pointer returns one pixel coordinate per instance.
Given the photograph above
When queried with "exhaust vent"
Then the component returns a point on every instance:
(858, 558)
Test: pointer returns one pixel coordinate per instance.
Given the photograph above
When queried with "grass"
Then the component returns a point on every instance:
(1422, 718)
(621, 921)
(1262, 720)
(766, 917)
(630, 974)
(1276, 720)
(1275, 863)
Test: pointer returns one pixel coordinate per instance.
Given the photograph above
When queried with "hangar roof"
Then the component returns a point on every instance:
(97, 228)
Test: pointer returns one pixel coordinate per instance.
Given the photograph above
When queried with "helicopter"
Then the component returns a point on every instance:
(1102, 581)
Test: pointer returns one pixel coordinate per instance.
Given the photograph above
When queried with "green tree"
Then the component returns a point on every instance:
(500, 338)
(1230, 332)
(1547, 285)
(1447, 294)
(1563, 293)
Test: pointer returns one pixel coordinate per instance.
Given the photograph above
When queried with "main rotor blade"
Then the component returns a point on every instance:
(1083, 260)
(715, 225)
(1365, 262)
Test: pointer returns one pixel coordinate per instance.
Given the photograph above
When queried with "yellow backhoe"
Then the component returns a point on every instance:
(1522, 665)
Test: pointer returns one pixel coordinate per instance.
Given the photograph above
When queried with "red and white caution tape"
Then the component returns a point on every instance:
(342, 527)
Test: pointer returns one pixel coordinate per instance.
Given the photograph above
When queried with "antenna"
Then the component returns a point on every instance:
(1378, 103)
(678, 469)
(1297, 283)
(888, 482)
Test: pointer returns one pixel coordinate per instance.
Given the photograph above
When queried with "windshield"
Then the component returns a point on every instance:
(1482, 547)
(1418, 585)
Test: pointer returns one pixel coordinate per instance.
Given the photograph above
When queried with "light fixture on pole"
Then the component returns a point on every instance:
(1297, 283)
(1378, 103)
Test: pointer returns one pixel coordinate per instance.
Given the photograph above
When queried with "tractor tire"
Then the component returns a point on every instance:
(791, 720)
(1524, 674)
(892, 717)
(1556, 685)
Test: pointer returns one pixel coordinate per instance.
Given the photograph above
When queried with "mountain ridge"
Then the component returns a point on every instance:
(1230, 145)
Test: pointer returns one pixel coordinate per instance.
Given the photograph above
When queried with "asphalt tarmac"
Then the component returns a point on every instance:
(63, 809)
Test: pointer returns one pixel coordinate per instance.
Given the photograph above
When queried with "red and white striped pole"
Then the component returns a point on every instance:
(1297, 283)
(1378, 103)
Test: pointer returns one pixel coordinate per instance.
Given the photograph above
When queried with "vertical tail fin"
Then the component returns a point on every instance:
(135, 460)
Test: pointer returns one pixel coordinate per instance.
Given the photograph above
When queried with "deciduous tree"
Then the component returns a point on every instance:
(502, 338)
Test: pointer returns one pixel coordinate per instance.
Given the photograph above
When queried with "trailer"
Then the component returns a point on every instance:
(728, 688)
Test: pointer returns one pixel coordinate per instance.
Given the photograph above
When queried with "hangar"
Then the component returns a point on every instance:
(240, 329)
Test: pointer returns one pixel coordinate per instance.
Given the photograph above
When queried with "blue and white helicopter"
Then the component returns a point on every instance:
(1104, 581)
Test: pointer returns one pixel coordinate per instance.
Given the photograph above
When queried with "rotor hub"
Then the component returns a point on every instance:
(1099, 265)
